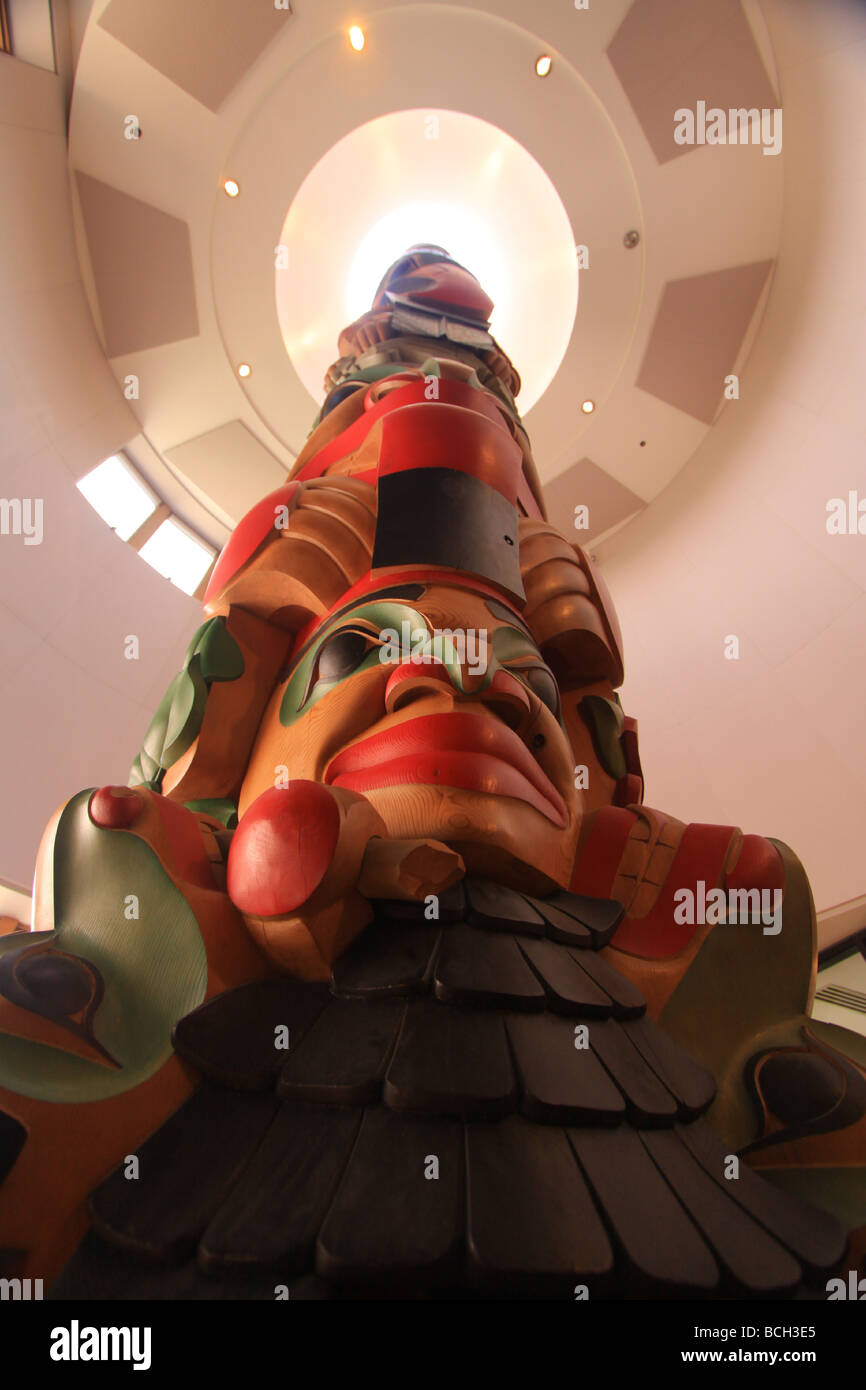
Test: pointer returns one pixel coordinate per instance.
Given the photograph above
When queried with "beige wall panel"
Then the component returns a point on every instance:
(669, 54)
(142, 268)
(205, 46)
(585, 484)
(699, 327)
(231, 466)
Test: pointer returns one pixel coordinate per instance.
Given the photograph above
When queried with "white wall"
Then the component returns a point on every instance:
(72, 709)
(737, 544)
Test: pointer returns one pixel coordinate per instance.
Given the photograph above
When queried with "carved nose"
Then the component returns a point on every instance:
(505, 695)
(412, 679)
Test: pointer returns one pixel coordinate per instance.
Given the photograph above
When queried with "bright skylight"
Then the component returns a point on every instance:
(468, 236)
(428, 176)
(119, 495)
(179, 555)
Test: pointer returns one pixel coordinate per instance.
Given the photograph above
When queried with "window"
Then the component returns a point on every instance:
(177, 553)
(123, 499)
(119, 494)
(26, 31)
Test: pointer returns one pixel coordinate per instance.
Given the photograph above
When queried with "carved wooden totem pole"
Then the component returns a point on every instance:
(379, 979)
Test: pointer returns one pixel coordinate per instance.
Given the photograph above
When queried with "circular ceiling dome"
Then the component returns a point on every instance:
(432, 176)
(342, 158)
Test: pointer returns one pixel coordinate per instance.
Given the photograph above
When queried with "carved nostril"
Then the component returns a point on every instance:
(510, 713)
(510, 701)
(406, 694)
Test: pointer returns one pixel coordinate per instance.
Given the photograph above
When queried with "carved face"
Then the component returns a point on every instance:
(434, 702)
(360, 394)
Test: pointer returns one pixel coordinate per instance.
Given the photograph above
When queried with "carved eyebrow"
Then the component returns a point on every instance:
(409, 592)
(343, 620)
(525, 637)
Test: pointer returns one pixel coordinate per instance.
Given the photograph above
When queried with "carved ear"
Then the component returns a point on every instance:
(568, 608)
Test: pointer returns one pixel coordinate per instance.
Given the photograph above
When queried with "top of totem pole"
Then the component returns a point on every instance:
(427, 278)
(427, 298)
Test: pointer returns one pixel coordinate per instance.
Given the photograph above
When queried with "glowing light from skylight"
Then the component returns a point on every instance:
(467, 236)
(178, 555)
(421, 176)
(119, 495)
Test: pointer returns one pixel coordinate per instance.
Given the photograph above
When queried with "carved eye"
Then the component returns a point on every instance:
(338, 395)
(47, 981)
(60, 984)
(539, 679)
(342, 654)
(338, 657)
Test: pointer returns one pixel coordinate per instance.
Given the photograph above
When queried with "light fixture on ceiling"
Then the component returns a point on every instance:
(631, 239)
(119, 495)
(587, 407)
(357, 37)
(543, 64)
(231, 187)
(244, 369)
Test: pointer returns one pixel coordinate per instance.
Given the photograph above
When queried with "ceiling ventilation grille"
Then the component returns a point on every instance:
(844, 998)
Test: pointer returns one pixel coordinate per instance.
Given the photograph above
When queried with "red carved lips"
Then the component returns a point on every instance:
(473, 752)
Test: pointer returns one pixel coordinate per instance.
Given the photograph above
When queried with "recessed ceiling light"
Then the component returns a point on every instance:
(587, 407)
(544, 64)
(119, 495)
(356, 38)
(231, 188)
(244, 369)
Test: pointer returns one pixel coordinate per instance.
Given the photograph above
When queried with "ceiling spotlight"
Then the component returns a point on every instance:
(231, 188)
(631, 239)
(356, 38)
(244, 369)
(544, 64)
(587, 407)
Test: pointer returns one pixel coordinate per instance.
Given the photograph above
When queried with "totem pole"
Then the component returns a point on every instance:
(378, 977)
